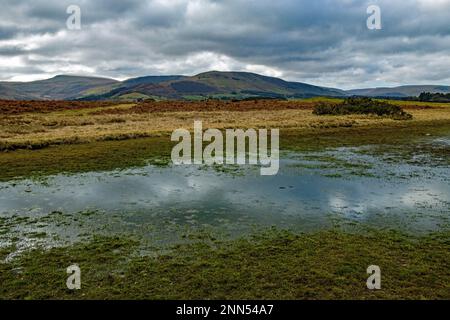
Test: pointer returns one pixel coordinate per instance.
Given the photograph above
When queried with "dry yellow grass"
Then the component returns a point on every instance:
(77, 126)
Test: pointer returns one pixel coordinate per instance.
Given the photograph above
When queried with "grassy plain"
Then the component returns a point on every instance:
(271, 265)
(35, 130)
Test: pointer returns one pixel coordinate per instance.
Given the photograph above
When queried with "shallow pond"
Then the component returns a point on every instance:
(164, 204)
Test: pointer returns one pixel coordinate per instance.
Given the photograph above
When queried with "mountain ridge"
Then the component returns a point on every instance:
(215, 84)
(210, 84)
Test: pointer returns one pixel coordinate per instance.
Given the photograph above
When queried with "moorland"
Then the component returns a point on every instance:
(43, 141)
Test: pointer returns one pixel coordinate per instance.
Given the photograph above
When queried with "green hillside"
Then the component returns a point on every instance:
(212, 84)
(215, 84)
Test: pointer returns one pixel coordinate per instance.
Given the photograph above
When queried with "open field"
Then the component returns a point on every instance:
(34, 130)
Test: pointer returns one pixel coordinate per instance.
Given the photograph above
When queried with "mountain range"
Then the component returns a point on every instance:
(213, 84)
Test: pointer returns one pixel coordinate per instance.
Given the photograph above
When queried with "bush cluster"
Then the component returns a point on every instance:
(362, 106)
(434, 97)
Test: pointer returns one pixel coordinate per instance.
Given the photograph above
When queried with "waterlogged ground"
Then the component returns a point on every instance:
(404, 187)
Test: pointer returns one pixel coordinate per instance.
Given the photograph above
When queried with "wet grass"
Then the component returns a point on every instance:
(270, 265)
(388, 135)
(413, 153)
(98, 156)
(122, 154)
(333, 167)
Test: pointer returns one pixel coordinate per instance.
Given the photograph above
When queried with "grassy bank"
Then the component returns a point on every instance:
(272, 265)
(79, 158)
(121, 154)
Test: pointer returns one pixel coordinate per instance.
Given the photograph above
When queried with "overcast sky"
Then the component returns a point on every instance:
(322, 42)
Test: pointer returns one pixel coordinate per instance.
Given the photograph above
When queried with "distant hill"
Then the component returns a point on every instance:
(255, 84)
(213, 84)
(149, 79)
(8, 91)
(57, 88)
(399, 92)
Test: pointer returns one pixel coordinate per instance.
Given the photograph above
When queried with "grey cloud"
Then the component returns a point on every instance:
(325, 42)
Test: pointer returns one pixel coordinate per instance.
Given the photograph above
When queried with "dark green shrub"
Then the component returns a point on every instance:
(434, 97)
(362, 106)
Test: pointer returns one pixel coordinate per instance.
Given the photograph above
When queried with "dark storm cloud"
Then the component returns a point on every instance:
(323, 41)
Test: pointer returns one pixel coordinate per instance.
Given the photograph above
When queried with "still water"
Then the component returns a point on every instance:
(311, 191)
